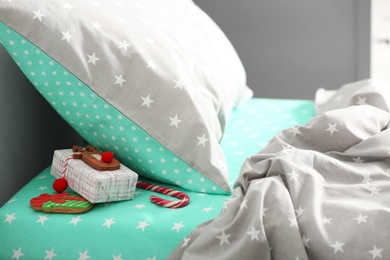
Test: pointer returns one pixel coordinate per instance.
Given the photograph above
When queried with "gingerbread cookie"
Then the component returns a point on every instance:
(66, 202)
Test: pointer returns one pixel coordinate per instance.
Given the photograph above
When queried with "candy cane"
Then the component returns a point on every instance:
(184, 198)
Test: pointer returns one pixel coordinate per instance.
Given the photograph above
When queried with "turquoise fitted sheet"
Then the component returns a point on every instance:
(138, 229)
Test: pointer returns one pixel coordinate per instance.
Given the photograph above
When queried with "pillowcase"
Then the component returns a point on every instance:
(153, 82)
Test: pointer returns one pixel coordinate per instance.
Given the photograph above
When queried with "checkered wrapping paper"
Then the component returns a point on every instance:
(96, 186)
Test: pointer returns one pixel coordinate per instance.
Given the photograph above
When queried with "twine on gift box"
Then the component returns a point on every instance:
(61, 184)
(65, 167)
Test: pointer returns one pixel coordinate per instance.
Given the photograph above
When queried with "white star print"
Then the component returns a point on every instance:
(50, 254)
(119, 80)
(293, 176)
(326, 220)
(299, 211)
(153, 258)
(295, 130)
(142, 225)
(175, 121)
(361, 101)
(38, 15)
(224, 238)
(185, 242)
(254, 234)
(66, 36)
(147, 101)
(151, 65)
(139, 206)
(293, 222)
(11, 201)
(108, 222)
(332, 128)
(17, 254)
(42, 219)
(366, 178)
(361, 219)
(74, 221)
(207, 209)
(358, 160)
(178, 84)
(226, 203)
(42, 177)
(376, 252)
(374, 190)
(243, 204)
(306, 241)
(96, 25)
(285, 149)
(123, 45)
(264, 211)
(68, 6)
(177, 226)
(338, 247)
(202, 140)
(149, 40)
(10, 218)
(92, 59)
(118, 257)
(42, 188)
(84, 256)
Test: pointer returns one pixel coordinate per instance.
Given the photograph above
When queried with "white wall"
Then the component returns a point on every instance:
(291, 48)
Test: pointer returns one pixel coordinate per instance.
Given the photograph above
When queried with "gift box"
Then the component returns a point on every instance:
(96, 186)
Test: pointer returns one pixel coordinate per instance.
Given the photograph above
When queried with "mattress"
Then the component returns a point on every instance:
(138, 229)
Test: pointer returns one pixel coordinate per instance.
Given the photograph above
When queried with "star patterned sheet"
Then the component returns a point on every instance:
(138, 229)
(318, 191)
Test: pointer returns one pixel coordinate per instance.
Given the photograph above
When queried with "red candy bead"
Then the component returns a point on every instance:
(107, 157)
(60, 185)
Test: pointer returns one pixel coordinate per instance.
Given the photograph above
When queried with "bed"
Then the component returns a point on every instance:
(161, 87)
(145, 231)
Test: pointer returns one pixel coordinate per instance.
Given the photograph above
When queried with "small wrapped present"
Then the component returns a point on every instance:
(94, 185)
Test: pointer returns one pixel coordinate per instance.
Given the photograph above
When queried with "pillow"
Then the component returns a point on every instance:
(152, 81)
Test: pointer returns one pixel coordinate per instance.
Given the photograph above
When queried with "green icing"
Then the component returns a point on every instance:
(74, 204)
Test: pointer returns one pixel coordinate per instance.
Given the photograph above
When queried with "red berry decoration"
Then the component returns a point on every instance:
(60, 185)
(107, 157)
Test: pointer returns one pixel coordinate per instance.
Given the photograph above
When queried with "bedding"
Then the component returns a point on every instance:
(154, 82)
(318, 191)
(138, 229)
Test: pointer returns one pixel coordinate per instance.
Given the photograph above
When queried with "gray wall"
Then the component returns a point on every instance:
(30, 130)
(291, 48)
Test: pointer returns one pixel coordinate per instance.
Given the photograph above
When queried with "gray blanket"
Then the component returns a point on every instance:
(318, 191)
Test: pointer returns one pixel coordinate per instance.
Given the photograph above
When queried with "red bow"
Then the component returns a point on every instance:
(57, 198)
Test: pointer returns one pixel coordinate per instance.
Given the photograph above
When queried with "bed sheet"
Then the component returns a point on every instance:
(138, 229)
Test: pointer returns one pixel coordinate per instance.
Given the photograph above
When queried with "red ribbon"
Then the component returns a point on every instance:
(57, 198)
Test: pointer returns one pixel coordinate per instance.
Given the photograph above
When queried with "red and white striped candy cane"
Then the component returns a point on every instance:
(184, 198)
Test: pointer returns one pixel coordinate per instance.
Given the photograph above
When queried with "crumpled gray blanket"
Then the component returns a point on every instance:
(318, 191)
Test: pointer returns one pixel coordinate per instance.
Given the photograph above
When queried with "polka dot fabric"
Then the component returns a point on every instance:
(98, 122)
